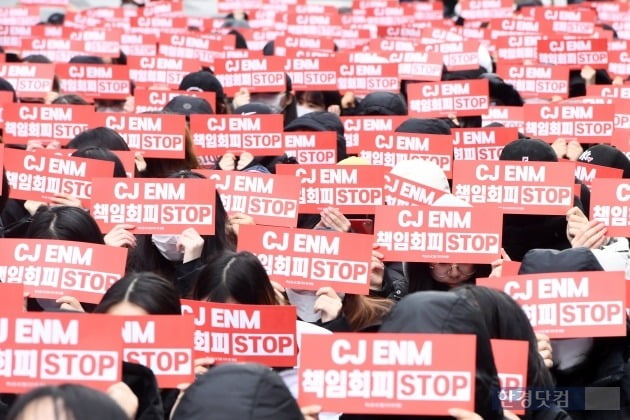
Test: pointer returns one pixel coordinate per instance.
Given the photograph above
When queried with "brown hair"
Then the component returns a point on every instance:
(365, 311)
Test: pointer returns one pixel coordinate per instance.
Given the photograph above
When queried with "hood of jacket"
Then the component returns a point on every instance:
(448, 313)
(238, 391)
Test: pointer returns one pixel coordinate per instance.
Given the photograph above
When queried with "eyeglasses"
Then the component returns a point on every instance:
(444, 270)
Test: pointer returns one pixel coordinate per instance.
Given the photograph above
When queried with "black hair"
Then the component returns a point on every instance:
(237, 276)
(100, 137)
(77, 401)
(505, 320)
(4, 194)
(65, 223)
(419, 277)
(87, 59)
(37, 59)
(100, 153)
(151, 292)
(70, 99)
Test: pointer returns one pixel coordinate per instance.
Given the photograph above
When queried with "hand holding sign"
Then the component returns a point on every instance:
(545, 350)
(591, 235)
(328, 304)
(332, 218)
(191, 243)
(121, 236)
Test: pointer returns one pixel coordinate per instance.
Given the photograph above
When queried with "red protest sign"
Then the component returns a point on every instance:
(569, 305)
(420, 66)
(263, 334)
(153, 100)
(30, 80)
(254, 74)
(363, 78)
(587, 172)
(351, 189)
(150, 341)
(138, 45)
(155, 135)
(154, 206)
(508, 116)
(97, 81)
(357, 127)
(510, 358)
(589, 123)
(517, 48)
(269, 199)
(609, 204)
(13, 298)
(484, 143)
(486, 9)
(401, 191)
(517, 187)
(390, 148)
(312, 73)
(160, 70)
(441, 99)
(56, 49)
(258, 134)
(388, 373)
(187, 45)
(311, 147)
(609, 91)
(442, 234)
(574, 53)
(307, 259)
(457, 56)
(536, 80)
(619, 63)
(55, 348)
(103, 42)
(24, 122)
(42, 174)
(51, 268)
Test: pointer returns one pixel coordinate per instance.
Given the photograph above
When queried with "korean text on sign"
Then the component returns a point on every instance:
(244, 333)
(388, 373)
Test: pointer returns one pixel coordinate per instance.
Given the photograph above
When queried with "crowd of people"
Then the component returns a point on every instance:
(404, 297)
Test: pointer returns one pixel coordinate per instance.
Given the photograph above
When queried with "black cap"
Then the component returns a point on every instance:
(253, 108)
(187, 105)
(605, 155)
(529, 150)
(204, 81)
(382, 103)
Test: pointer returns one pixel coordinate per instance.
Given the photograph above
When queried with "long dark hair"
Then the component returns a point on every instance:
(237, 276)
(154, 294)
(64, 223)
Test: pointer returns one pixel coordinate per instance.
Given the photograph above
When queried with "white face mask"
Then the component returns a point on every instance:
(303, 110)
(304, 300)
(167, 245)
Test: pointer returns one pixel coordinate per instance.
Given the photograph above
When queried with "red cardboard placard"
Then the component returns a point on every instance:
(511, 359)
(358, 126)
(307, 259)
(484, 143)
(420, 66)
(486, 9)
(517, 47)
(152, 100)
(517, 187)
(263, 334)
(217, 134)
(30, 80)
(401, 191)
(50, 268)
(254, 74)
(536, 80)
(390, 148)
(457, 56)
(13, 298)
(441, 99)
(312, 73)
(439, 234)
(569, 305)
(351, 189)
(151, 341)
(154, 206)
(54, 348)
(609, 91)
(619, 63)
(575, 53)
(270, 199)
(56, 49)
(311, 147)
(508, 116)
(24, 122)
(587, 123)
(160, 70)
(41, 174)
(388, 373)
(155, 135)
(609, 205)
(97, 81)
(138, 45)
(363, 78)
(587, 172)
